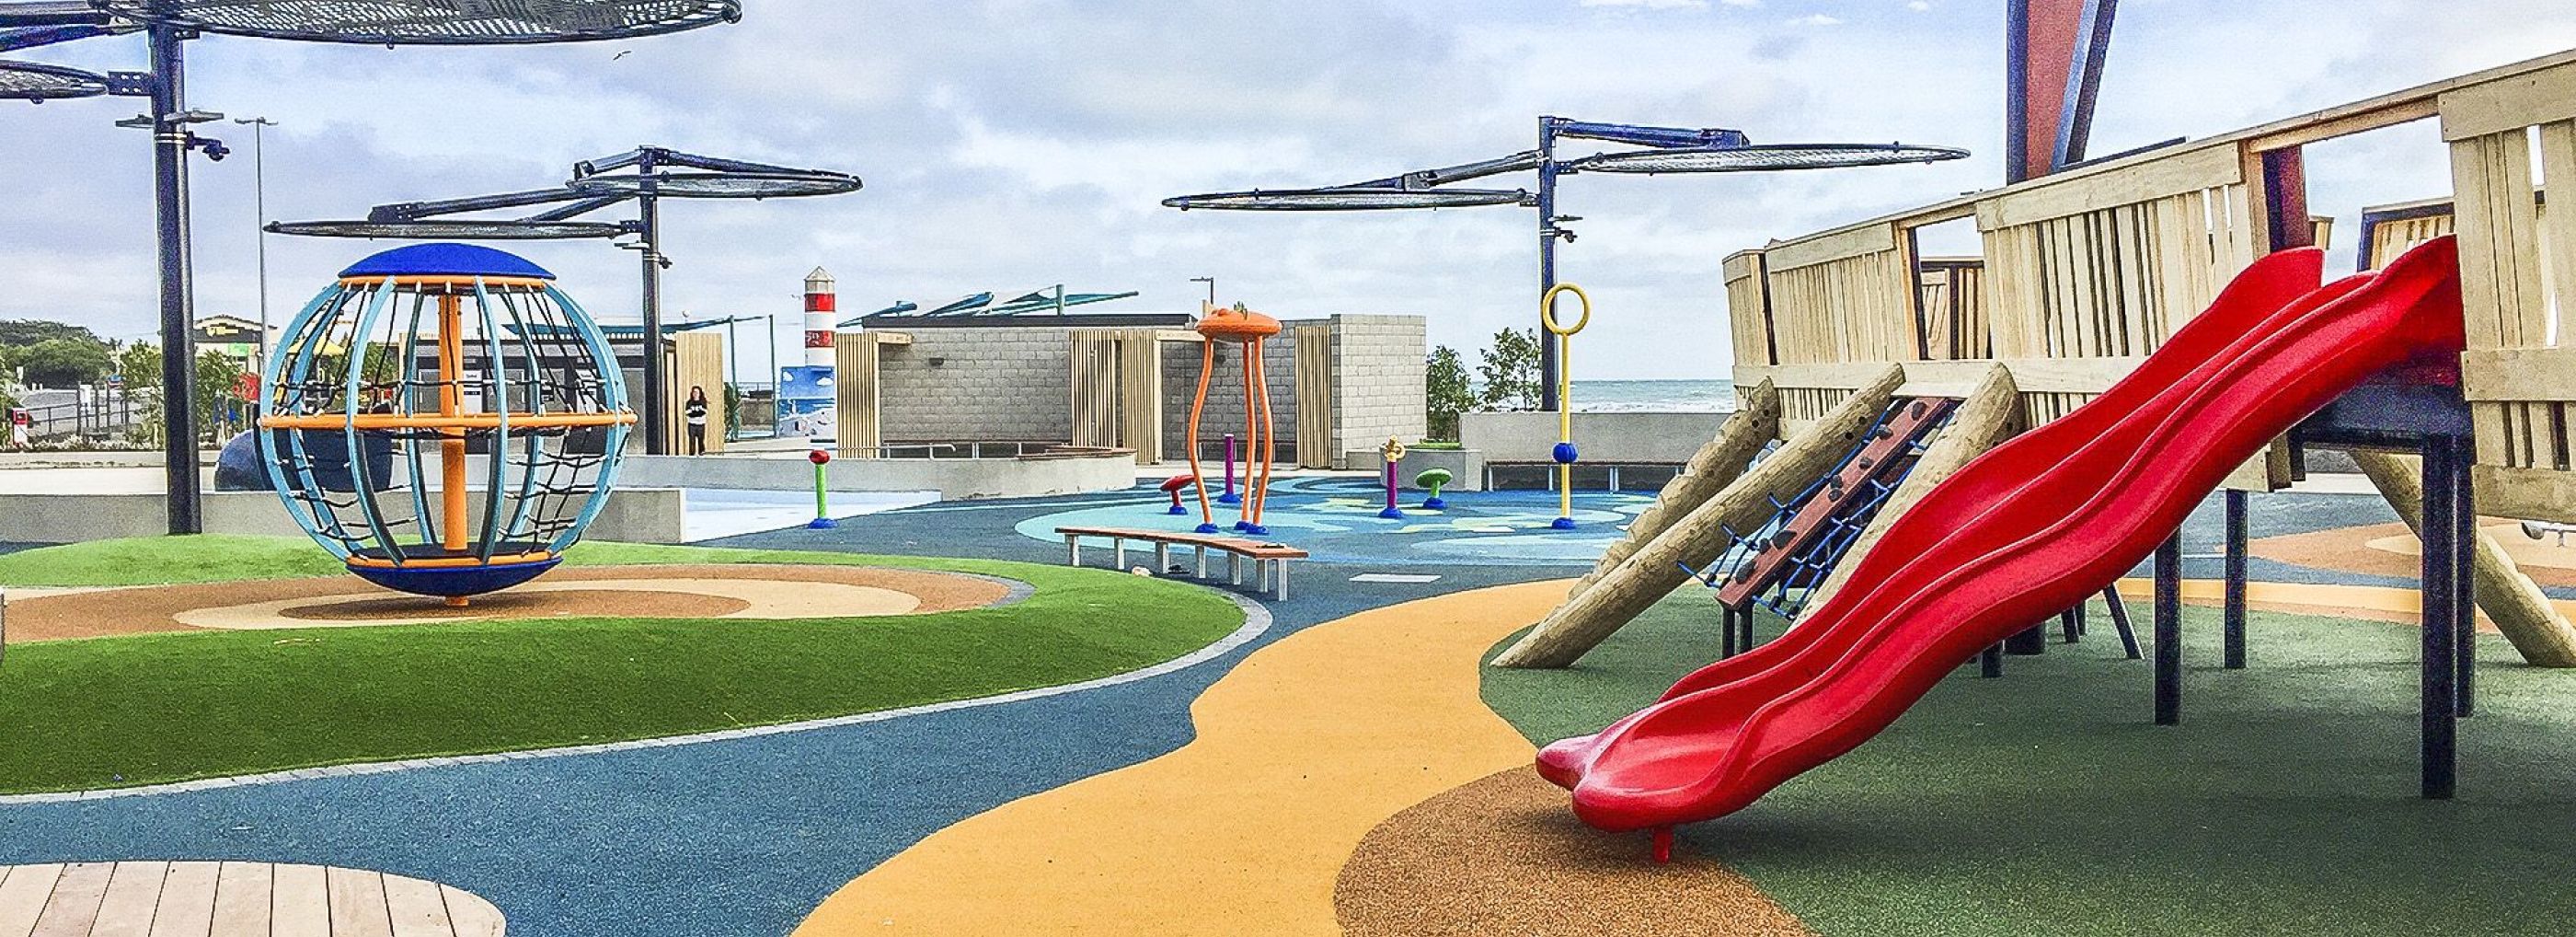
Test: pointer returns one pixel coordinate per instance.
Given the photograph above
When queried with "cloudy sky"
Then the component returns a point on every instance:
(1013, 144)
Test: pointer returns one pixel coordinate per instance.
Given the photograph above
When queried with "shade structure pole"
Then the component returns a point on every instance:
(656, 408)
(1548, 399)
(178, 301)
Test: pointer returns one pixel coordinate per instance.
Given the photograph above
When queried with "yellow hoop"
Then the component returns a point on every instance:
(1547, 310)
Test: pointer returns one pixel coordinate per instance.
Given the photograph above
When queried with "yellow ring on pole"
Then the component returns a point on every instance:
(1547, 310)
(1564, 384)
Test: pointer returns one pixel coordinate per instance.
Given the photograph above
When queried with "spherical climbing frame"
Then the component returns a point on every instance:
(415, 362)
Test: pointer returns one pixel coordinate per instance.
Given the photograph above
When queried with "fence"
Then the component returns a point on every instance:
(2086, 272)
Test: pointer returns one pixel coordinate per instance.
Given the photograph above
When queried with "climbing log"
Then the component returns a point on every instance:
(2511, 599)
(1710, 470)
(1701, 536)
(1983, 422)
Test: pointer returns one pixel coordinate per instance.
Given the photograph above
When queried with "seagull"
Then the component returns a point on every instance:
(622, 53)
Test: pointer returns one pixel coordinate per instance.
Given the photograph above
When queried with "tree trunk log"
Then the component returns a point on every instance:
(1710, 470)
(1700, 537)
(2510, 598)
(1981, 424)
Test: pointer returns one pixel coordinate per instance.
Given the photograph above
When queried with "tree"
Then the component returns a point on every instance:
(1509, 370)
(140, 362)
(20, 333)
(1447, 392)
(219, 401)
(61, 362)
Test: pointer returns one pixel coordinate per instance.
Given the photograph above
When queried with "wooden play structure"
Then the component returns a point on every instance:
(2085, 272)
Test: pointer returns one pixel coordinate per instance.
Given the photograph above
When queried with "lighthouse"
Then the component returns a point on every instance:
(822, 310)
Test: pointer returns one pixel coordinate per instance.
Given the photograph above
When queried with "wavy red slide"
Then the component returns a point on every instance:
(2022, 532)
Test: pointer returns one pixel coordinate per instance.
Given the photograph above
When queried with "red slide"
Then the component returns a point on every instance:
(2021, 533)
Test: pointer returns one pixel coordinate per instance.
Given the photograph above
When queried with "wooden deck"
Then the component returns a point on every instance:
(232, 899)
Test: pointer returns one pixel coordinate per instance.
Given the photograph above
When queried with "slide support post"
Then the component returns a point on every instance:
(2237, 509)
(2440, 707)
(2168, 637)
(2464, 577)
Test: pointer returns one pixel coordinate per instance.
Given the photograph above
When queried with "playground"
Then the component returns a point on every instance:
(2149, 572)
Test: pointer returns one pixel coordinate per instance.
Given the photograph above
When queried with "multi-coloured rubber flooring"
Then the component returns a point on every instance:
(1342, 763)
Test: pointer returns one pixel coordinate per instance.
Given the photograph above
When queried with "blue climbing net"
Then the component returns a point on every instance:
(1793, 581)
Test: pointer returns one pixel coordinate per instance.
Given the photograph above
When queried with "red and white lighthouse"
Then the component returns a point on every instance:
(822, 315)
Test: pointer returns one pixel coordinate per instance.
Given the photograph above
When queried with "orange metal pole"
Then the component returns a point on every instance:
(1207, 369)
(1251, 378)
(1269, 432)
(451, 402)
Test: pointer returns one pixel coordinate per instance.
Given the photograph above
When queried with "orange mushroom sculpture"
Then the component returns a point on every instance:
(1247, 329)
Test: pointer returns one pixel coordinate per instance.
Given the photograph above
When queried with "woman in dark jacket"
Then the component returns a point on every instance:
(696, 414)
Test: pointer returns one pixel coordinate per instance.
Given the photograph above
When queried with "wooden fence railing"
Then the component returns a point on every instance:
(2086, 272)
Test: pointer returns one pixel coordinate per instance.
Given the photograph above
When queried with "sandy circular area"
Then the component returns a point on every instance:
(747, 591)
(2392, 550)
(1505, 855)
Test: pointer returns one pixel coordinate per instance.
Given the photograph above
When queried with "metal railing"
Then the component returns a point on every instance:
(982, 449)
(115, 415)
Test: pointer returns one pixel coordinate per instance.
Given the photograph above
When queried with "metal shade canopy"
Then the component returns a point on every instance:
(431, 22)
(1773, 157)
(29, 81)
(656, 173)
(1653, 151)
(445, 230)
(718, 185)
(1361, 198)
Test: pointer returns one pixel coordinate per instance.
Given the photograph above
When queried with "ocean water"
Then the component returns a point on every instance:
(1715, 396)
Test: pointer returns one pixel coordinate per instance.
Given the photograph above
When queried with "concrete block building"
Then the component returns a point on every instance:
(1126, 381)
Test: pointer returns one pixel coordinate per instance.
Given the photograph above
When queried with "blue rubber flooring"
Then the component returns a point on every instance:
(740, 837)
(745, 837)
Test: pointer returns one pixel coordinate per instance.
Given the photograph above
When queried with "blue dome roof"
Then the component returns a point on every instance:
(446, 260)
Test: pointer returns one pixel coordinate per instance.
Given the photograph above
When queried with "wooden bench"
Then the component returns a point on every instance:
(233, 899)
(1269, 560)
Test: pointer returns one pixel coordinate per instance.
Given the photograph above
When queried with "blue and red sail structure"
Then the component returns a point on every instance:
(2054, 53)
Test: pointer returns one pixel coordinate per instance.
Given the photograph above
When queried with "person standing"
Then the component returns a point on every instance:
(696, 414)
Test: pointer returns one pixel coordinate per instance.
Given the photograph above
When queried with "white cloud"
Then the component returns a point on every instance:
(1816, 19)
(1021, 143)
(1649, 4)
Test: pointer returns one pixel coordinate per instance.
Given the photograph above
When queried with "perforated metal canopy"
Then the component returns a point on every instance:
(29, 81)
(755, 185)
(1350, 199)
(433, 22)
(452, 230)
(1773, 157)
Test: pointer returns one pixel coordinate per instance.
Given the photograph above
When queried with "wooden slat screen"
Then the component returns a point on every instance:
(2512, 145)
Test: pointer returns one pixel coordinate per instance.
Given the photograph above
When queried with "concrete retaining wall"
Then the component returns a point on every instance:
(1466, 467)
(631, 516)
(954, 479)
(1603, 438)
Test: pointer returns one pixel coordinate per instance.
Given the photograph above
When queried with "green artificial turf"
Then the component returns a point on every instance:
(78, 715)
(159, 561)
(2045, 803)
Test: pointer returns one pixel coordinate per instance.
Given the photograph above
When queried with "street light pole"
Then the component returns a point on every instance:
(259, 201)
(170, 139)
(1548, 232)
(1211, 282)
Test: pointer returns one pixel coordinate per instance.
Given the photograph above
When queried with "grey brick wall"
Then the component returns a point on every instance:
(1016, 383)
(1225, 395)
(1378, 381)
(996, 383)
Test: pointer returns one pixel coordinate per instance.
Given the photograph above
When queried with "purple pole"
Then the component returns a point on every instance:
(1229, 497)
(1392, 512)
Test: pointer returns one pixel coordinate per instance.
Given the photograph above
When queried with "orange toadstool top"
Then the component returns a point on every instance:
(1237, 325)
